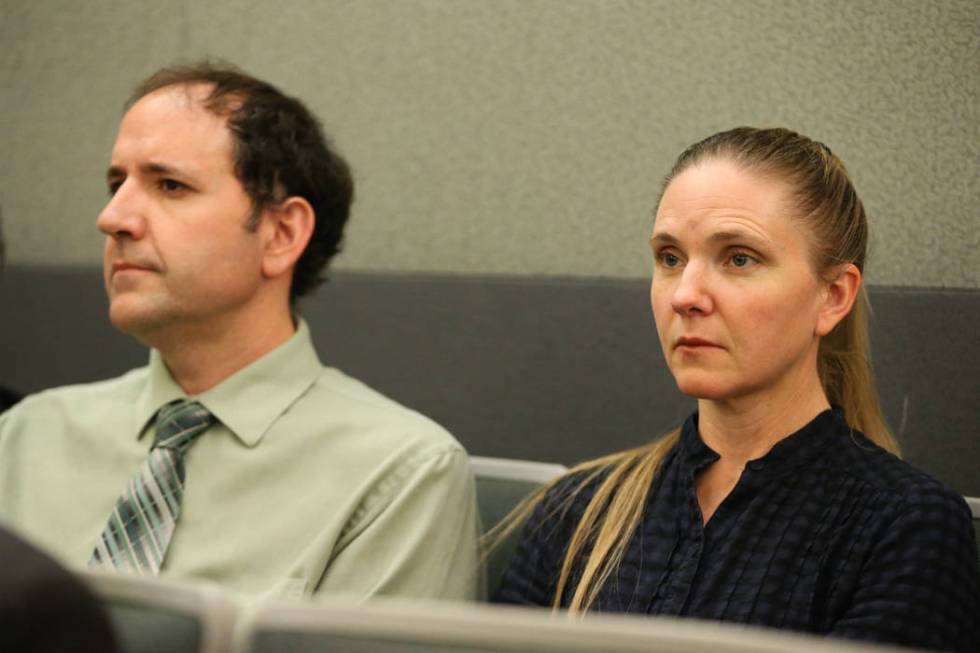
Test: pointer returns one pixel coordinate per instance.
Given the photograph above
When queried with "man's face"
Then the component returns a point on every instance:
(177, 251)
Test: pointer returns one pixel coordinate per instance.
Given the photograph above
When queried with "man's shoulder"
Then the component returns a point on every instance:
(79, 399)
(345, 398)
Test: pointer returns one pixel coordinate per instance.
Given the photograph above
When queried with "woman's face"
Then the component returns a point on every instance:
(734, 295)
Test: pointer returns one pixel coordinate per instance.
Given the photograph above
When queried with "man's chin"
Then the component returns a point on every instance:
(135, 319)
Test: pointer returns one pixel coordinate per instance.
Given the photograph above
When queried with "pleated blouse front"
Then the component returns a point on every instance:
(827, 533)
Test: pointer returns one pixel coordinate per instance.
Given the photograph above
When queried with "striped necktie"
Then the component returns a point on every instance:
(140, 527)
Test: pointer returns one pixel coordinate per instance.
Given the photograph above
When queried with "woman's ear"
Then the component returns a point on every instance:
(839, 296)
(288, 229)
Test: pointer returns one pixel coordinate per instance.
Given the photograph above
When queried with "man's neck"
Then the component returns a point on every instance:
(201, 356)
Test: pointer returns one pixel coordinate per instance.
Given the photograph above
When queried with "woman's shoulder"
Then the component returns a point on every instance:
(911, 551)
(533, 570)
(894, 479)
(570, 494)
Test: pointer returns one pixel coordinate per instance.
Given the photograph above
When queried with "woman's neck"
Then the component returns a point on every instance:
(746, 428)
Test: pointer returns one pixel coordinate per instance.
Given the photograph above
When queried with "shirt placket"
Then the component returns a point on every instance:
(687, 553)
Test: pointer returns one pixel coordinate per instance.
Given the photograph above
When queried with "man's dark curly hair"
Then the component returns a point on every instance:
(280, 151)
(3, 245)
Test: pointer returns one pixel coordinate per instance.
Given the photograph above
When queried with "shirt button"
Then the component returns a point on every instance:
(756, 465)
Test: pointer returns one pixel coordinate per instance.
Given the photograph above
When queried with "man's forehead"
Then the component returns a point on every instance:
(172, 124)
(188, 97)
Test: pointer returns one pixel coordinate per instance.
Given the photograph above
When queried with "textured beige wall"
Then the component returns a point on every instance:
(521, 136)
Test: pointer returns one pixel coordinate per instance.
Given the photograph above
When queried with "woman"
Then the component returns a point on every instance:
(781, 501)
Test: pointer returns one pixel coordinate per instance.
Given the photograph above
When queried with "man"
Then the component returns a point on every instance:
(7, 397)
(235, 456)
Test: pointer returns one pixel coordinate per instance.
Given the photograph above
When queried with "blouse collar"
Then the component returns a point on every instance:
(804, 446)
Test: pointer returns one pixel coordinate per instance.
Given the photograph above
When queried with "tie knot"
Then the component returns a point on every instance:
(179, 423)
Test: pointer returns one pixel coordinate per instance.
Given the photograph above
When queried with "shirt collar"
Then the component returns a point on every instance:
(806, 445)
(803, 446)
(693, 453)
(251, 399)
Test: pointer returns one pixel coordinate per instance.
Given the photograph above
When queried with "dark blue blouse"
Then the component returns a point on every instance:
(827, 533)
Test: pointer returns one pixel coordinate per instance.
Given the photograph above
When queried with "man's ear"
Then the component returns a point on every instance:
(287, 229)
(839, 296)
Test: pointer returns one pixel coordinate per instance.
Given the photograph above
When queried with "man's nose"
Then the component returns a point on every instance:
(122, 216)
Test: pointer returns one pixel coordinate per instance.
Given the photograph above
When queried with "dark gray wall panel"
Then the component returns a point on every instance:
(927, 362)
(55, 329)
(557, 370)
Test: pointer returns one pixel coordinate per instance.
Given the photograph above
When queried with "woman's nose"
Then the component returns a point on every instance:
(691, 294)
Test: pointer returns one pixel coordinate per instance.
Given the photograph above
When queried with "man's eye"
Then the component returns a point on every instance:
(171, 186)
(670, 260)
(113, 188)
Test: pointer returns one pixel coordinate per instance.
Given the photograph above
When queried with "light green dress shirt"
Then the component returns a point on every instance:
(311, 483)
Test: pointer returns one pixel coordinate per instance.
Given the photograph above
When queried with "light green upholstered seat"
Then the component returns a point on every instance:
(156, 615)
(501, 483)
(405, 626)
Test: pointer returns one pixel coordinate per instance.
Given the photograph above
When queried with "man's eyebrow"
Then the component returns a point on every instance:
(158, 168)
(114, 172)
(152, 168)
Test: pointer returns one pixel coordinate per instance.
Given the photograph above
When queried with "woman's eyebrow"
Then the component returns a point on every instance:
(663, 238)
(729, 236)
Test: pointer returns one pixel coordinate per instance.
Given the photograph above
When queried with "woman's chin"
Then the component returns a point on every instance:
(702, 388)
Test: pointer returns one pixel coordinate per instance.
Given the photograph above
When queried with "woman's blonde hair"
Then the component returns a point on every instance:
(829, 208)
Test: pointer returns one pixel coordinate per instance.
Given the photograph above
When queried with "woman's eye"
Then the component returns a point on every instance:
(742, 260)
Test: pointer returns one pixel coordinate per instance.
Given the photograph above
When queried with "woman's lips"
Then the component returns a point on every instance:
(693, 344)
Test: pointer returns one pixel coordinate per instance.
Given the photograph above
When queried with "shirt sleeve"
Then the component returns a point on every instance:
(416, 536)
(920, 585)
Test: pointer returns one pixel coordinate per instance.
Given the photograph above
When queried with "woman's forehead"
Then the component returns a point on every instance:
(720, 182)
(718, 201)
